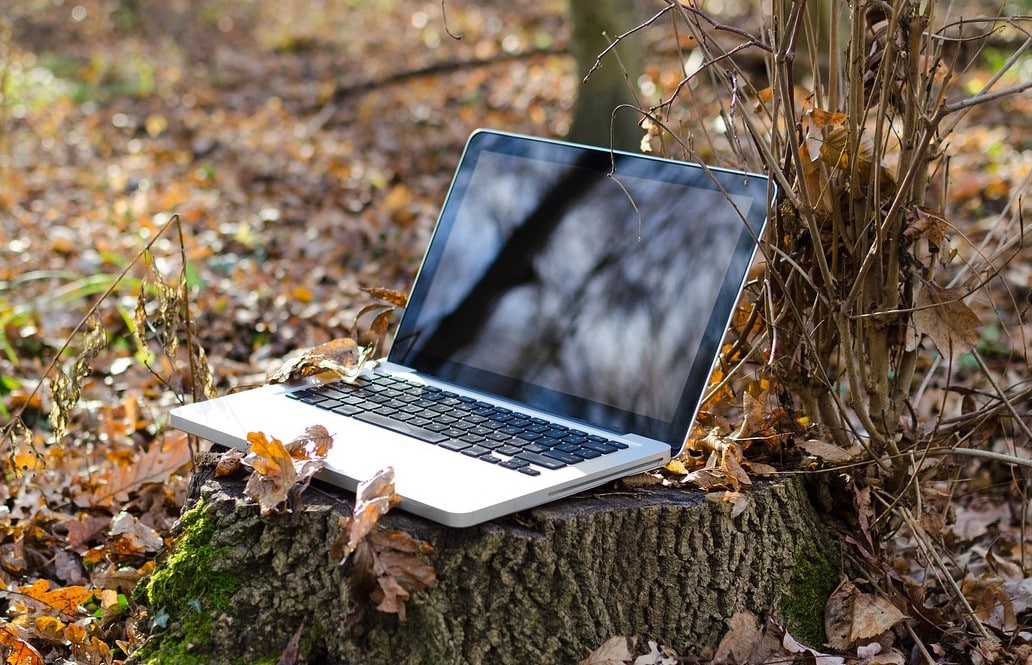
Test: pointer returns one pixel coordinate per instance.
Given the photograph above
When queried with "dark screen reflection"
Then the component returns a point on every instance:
(579, 293)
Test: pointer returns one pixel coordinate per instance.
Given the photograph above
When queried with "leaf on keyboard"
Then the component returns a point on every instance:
(282, 472)
(343, 357)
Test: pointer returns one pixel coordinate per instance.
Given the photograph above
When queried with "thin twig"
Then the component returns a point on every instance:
(619, 38)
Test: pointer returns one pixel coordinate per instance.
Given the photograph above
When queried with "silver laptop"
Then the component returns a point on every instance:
(559, 334)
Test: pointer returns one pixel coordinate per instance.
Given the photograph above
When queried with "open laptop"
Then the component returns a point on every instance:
(559, 334)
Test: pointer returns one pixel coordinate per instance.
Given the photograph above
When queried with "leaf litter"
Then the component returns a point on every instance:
(212, 146)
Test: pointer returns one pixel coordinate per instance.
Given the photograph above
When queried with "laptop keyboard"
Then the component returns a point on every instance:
(458, 423)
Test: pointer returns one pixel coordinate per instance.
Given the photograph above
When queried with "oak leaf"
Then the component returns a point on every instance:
(37, 599)
(829, 452)
(743, 638)
(17, 649)
(282, 472)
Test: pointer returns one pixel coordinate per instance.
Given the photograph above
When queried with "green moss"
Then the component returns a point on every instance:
(185, 591)
(813, 580)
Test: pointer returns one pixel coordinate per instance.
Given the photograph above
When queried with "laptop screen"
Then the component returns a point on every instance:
(589, 284)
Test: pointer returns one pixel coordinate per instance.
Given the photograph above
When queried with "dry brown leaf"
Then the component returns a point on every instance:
(37, 599)
(282, 472)
(657, 655)
(852, 616)
(829, 452)
(731, 465)
(343, 358)
(613, 651)
(942, 315)
(396, 298)
(810, 655)
(18, 650)
(155, 466)
(739, 501)
(386, 565)
(229, 463)
(738, 645)
(873, 654)
(929, 224)
(374, 497)
(129, 536)
(314, 443)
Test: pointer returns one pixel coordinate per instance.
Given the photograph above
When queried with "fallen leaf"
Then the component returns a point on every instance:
(17, 649)
(131, 536)
(657, 655)
(342, 357)
(942, 315)
(38, 599)
(229, 463)
(829, 452)
(739, 501)
(387, 569)
(315, 442)
(374, 497)
(811, 656)
(613, 651)
(282, 472)
(156, 466)
(740, 641)
(872, 654)
(852, 616)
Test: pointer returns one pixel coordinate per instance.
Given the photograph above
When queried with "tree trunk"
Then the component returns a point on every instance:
(596, 24)
(546, 586)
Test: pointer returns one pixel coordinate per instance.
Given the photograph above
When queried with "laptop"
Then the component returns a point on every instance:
(559, 334)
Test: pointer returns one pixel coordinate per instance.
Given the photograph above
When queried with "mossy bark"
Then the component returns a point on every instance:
(546, 586)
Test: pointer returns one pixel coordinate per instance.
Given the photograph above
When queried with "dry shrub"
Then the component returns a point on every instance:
(879, 299)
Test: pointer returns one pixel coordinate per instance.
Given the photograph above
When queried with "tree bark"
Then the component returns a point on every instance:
(545, 586)
(597, 118)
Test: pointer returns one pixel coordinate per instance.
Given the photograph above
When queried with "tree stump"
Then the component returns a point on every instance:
(545, 586)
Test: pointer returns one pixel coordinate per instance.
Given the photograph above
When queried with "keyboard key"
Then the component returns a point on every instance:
(530, 471)
(455, 444)
(541, 460)
(603, 448)
(568, 458)
(346, 409)
(403, 428)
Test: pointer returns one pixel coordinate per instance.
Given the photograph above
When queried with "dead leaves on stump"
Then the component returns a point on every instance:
(283, 471)
(387, 566)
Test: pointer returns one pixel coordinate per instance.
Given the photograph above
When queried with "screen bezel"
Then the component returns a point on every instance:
(609, 163)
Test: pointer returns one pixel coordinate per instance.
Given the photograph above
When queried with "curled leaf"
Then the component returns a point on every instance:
(374, 497)
(342, 357)
(282, 472)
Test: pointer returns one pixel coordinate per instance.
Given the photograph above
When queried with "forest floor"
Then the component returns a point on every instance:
(279, 158)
